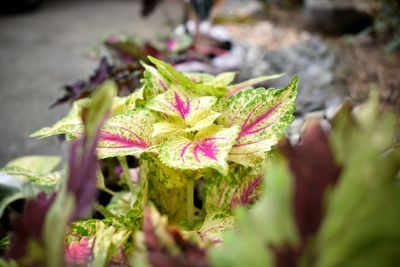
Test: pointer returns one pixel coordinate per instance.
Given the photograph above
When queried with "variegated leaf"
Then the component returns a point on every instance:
(126, 134)
(263, 116)
(154, 80)
(186, 112)
(239, 187)
(209, 149)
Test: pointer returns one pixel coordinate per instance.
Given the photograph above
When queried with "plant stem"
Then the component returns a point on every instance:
(126, 174)
(190, 202)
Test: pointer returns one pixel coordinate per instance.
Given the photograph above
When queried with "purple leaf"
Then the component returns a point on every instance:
(81, 88)
(28, 226)
(83, 165)
(315, 171)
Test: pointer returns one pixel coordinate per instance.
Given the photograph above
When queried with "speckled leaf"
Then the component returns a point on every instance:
(209, 149)
(215, 225)
(165, 187)
(126, 134)
(235, 88)
(263, 116)
(154, 80)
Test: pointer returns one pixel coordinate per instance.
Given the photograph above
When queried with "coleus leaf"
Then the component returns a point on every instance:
(209, 149)
(263, 116)
(186, 113)
(126, 134)
(153, 80)
(215, 225)
(109, 240)
(165, 186)
(34, 169)
(240, 187)
(171, 75)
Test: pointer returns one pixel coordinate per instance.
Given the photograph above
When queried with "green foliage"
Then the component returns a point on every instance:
(358, 225)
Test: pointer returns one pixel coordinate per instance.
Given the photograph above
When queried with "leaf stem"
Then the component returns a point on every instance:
(190, 201)
(126, 174)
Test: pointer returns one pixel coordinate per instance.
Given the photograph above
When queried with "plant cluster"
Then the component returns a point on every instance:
(197, 138)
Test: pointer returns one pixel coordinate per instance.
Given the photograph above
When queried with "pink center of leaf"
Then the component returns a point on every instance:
(251, 127)
(207, 148)
(120, 141)
(183, 107)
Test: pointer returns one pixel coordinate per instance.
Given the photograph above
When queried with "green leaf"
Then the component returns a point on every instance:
(361, 228)
(54, 228)
(171, 75)
(209, 149)
(263, 116)
(126, 134)
(100, 105)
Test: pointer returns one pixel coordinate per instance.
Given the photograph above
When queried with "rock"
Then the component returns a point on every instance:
(311, 60)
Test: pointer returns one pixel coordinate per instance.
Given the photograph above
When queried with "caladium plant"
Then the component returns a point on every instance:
(196, 126)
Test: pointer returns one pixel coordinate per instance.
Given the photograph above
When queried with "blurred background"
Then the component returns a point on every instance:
(339, 48)
(44, 47)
